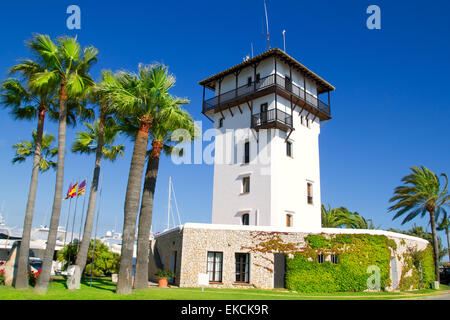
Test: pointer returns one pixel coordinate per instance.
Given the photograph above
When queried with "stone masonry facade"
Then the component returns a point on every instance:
(189, 246)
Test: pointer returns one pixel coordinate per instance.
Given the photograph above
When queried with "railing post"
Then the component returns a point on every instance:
(276, 93)
(236, 93)
(304, 86)
(254, 78)
(218, 97)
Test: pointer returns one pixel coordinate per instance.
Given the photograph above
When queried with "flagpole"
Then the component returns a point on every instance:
(67, 221)
(75, 211)
(68, 213)
(82, 216)
(96, 224)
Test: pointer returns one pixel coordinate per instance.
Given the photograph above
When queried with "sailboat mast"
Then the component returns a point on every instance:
(168, 205)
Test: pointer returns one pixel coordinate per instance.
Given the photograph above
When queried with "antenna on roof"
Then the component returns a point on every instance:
(284, 40)
(267, 26)
(251, 45)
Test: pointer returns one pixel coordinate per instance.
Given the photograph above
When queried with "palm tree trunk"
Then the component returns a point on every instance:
(435, 245)
(86, 240)
(145, 217)
(21, 281)
(44, 277)
(448, 243)
(131, 209)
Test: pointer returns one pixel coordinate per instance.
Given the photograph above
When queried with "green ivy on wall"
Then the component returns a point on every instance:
(356, 252)
(418, 269)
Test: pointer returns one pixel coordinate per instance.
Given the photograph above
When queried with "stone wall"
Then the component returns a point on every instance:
(165, 245)
(192, 244)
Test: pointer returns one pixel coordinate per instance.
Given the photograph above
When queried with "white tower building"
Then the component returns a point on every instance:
(267, 111)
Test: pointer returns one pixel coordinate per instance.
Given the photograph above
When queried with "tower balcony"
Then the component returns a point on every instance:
(273, 118)
(267, 85)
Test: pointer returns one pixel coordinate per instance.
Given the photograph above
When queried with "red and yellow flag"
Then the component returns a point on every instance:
(82, 188)
(72, 191)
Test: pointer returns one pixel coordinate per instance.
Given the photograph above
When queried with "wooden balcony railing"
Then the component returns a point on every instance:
(264, 83)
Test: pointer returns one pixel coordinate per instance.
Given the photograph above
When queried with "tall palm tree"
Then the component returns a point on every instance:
(28, 103)
(137, 97)
(171, 118)
(421, 194)
(67, 68)
(25, 149)
(98, 139)
(102, 148)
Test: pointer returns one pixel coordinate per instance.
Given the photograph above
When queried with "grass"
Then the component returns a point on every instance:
(104, 289)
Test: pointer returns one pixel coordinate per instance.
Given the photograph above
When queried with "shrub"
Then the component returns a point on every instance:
(33, 277)
(165, 274)
(2, 277)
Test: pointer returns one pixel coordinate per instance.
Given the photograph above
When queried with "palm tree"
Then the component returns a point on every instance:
(171, 118)
(97, 134)
(25, 149)
(98, 139)
(28, 103)
(67, 68)
(422, 193)
(137, 97)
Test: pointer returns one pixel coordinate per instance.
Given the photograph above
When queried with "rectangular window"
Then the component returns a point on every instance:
(247, 152)
(249, 81)
(320, 258)
(309, 192)
(245, 184)
(258, 77)
(307, 122)
(220, 122)
(289, 148)
(242, 267)
(289, 220)
(214, 267)
(301, 120)
(334, 258)
(245, 219)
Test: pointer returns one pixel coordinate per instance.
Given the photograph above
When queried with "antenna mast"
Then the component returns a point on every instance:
(267, 26)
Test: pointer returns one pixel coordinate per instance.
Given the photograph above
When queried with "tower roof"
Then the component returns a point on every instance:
(322, 85)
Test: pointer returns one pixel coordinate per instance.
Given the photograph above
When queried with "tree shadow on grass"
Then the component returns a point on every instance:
(102, 283)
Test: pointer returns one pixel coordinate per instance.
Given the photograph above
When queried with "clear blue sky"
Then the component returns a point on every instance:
(390, 108)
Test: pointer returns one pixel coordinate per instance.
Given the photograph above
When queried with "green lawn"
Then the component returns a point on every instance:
(104, 289)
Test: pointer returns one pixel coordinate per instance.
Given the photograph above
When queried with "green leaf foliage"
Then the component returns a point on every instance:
(356, 252)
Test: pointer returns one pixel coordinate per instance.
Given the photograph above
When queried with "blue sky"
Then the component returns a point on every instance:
(390, 108)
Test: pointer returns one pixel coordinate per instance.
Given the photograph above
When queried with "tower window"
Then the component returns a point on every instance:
(242, 267)
(245, 184)
(309, 197)
(214, 266)
(289, 220)
(220, 122)
(249, 81)
(320, 258)
(289, 148)
(247, 152)
(334, 258)
(245, 219)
